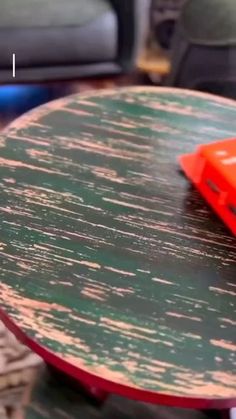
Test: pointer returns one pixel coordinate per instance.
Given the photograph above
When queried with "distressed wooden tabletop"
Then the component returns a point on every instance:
(112, 267)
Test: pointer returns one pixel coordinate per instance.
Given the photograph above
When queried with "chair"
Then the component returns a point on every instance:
(204, 47)
(65, 39)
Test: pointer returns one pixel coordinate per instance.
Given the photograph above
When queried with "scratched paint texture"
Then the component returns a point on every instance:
(108, 257)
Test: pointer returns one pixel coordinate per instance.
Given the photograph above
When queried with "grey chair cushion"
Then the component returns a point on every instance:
(50, 13)
(61, 32)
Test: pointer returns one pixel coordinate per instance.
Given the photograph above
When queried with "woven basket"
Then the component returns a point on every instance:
(17, 365)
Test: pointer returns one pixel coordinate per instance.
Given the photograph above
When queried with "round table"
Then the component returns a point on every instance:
(113, 268)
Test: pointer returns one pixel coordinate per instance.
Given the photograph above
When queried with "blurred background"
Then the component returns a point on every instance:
(68, 46)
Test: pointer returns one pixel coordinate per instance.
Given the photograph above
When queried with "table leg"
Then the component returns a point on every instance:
(225, 414)
(95, 394)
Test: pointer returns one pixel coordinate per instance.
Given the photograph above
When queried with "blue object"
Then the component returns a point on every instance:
(17, 99)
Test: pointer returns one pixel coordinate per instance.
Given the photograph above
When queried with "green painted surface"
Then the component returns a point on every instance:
(108, 257)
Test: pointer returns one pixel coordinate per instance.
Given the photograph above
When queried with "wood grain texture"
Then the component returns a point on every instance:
(110, 261)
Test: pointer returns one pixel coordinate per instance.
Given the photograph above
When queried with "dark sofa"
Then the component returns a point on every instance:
(64, 39)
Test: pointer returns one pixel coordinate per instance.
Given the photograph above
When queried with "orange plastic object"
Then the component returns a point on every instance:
(212, 169)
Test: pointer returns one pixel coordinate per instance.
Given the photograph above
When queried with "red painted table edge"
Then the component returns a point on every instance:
(111, 387)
